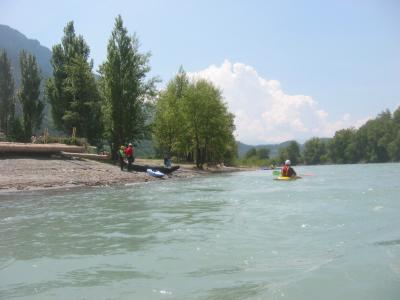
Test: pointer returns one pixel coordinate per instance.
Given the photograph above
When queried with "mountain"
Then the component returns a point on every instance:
(274, 148)
(14, 42)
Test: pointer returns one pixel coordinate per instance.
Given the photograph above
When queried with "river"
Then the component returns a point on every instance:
(335, 234)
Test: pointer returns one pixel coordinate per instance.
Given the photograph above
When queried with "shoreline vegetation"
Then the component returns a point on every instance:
(21, 172)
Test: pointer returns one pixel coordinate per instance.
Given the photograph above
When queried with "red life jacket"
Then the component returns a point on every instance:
(129, 152)
(285, 171)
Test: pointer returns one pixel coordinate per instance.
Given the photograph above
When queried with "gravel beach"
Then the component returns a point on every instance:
(42, 173)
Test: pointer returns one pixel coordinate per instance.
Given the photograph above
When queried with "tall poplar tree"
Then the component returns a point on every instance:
(29, 94)
(72, 91)
(7, 100)
(168, 129)
(125, 88)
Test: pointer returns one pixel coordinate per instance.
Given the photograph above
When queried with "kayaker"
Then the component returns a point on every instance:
(121, 156)
(287, 170)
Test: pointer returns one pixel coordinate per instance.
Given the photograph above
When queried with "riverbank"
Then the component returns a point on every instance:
(45, 173)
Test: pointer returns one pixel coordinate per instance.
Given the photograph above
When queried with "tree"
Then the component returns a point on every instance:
(168, 131)
(193, 122)
(314, 151)
(125, 88)
(208, 122)
(7, 101)
(252, 152)
(396, 117)
(29, 92)
(291, 152)
(72, 91)
(374, 137)
(342, 148)
(85, 105)
(394, 146)
(263, 153)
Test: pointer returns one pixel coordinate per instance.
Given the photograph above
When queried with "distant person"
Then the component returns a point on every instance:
(287, 170)
(129, 152)
(167, 160)
(33, 139)
(121, 156)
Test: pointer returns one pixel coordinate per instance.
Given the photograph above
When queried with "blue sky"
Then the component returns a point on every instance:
(315, 66)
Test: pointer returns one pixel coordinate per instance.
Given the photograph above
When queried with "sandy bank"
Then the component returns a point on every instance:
(24, 174)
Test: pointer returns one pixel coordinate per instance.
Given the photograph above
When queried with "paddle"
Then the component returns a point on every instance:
(276, 172)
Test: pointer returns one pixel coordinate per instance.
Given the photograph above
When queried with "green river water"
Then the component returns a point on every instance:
(333, 235)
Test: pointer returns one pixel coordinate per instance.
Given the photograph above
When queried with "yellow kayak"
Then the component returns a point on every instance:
(285, 178)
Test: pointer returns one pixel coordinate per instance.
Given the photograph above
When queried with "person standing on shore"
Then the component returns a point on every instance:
(121, 156)
(129, 151)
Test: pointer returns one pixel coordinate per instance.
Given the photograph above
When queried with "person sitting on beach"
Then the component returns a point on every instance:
(287, 170)
(121, 156)
(167, 160)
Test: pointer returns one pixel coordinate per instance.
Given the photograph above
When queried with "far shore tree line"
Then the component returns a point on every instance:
(377, 141)
(188, 120)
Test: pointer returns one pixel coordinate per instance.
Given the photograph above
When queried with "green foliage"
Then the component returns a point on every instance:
(256, 159)
(125, 89)
(16, 133)
(251, 153)
(314, 151)
(263, 153)
(7, 101)
(342, 149)
(374, 137)
(193, 123)
(29, 93)
(67, 140)
(168, 129)
(72, 91)
(145, 149)
(378, 140)
(292, 152)
(258, 153)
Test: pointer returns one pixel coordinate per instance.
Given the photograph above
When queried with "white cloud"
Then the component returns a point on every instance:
(264, 113)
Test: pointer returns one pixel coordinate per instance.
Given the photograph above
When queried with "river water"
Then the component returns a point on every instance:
(333, 235)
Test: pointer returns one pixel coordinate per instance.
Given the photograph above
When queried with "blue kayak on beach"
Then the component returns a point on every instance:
(156, 173)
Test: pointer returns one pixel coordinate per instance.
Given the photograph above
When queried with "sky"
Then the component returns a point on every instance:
(287, 69)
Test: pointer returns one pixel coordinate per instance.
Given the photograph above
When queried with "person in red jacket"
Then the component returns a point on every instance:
(287, 170)
(129, 152)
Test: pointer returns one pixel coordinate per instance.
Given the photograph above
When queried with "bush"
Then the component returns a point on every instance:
(16, 132)
(65, 140)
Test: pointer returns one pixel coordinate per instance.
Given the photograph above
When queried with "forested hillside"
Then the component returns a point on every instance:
(14, 42)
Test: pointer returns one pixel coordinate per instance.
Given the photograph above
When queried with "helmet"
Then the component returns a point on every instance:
(287, 162)
(130, 144)
(122, 147)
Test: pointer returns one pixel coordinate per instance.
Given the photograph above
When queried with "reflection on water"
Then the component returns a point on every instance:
(241, 236)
